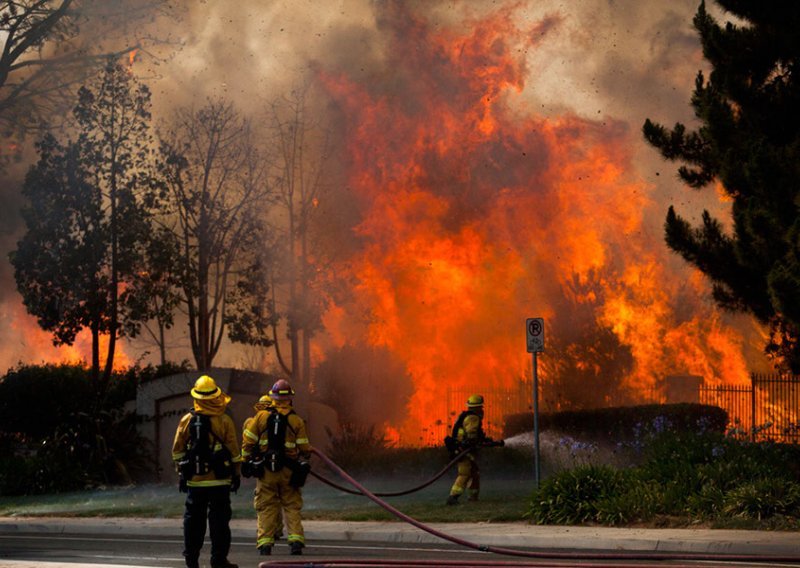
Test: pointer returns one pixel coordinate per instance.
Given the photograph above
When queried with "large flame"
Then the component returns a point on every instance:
(36, 345)
(480, 213)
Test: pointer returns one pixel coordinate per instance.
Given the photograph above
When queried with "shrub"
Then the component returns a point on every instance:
(54, 437)
(762, 499)
(35, 399)
(572, 496)
(636, 500)
(623, 424)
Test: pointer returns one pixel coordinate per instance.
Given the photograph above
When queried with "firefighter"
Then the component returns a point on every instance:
(254, 460)
(285, 464)
(468, 433)
(206, 453)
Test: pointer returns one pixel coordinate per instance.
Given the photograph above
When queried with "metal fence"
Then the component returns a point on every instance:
(766, 409)
(498, 403)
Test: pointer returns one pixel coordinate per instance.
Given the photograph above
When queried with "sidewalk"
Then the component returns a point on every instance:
(509, 535)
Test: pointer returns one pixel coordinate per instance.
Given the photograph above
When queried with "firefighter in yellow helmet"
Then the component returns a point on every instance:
(468, 433)
(254, 461)
(285, 467)
(206, 454)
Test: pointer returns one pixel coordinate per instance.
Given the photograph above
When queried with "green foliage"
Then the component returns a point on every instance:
(749, 141)
(57, 435)
(637, 500)
(683, 474)
(624, 424)
(763, 498)
(88, 221)
(572, 496)
(35, 399)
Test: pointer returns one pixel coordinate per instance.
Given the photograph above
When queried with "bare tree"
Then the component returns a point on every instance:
(303, 148)
(218, 194)
(50, 47)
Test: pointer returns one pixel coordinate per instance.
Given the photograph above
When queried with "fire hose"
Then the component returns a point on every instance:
(394, 493)
(550, 554)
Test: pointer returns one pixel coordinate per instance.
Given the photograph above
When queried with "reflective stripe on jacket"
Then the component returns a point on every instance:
(296, 440)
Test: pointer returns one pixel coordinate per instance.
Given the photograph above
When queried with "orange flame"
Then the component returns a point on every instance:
(478, 217)
(36, 346)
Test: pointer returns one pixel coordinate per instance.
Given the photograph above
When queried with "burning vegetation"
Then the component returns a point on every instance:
(401, 265)
(478, 212)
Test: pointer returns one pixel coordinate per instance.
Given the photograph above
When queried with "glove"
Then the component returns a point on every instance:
(236, 482)
(182, 487)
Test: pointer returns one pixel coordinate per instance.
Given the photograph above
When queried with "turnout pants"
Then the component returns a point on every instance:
(469, 477)
(211, 504)
(273, 495)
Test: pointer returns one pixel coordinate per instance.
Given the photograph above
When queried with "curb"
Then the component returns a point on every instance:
(507, 535)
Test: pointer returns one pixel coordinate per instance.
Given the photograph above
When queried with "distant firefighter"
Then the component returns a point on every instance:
(275, 445)
(468, 434)
(206, 454)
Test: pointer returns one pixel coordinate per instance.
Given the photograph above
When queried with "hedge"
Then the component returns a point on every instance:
(622, 423)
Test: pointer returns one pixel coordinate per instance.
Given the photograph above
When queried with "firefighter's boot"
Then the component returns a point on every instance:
(265, 550)
(296, 548)
(452, 500)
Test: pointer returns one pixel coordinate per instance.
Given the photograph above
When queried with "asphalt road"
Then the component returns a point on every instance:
(30, 550)
(166, 551)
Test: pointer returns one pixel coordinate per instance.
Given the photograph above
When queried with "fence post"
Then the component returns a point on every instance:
(752, 407)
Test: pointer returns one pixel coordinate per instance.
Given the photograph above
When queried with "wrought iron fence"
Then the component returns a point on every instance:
(766, 409)
(498, 403)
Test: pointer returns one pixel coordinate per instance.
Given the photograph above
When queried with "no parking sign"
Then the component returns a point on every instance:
(535, 334)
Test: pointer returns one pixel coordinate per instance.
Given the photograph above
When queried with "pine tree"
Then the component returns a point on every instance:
(749, 142)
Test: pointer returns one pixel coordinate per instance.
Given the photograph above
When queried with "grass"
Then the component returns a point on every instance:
(502, 501)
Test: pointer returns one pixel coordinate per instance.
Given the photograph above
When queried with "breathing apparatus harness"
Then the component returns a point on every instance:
(274, 458)
(454, 445)
(201, 457)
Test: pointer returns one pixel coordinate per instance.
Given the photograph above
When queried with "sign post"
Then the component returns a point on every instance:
(535, 341)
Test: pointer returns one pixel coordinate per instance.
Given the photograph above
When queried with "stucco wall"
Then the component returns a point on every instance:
(161, 403)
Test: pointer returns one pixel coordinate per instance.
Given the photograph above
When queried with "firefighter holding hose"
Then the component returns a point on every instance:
(281, 468)
(468, 434)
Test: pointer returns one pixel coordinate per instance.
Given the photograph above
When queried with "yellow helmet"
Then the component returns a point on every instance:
(475, 400)
(264, 403)
(205, 388)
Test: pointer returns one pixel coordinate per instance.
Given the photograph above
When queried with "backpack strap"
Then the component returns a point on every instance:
(460, 422)
(210, 427)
